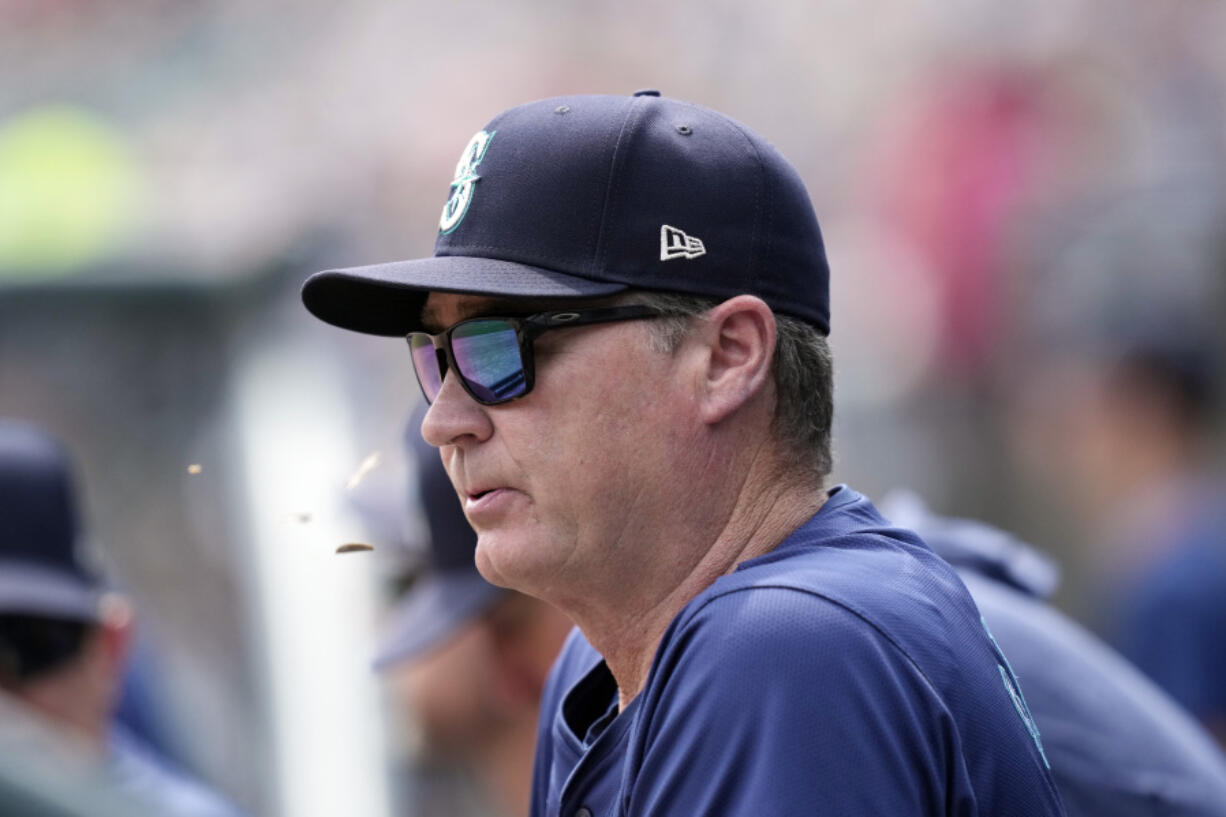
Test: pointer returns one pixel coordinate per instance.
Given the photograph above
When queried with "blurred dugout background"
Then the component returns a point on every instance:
(1002, 187)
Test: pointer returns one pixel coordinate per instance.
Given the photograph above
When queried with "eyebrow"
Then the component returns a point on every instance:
(430, 320)
(505, 307)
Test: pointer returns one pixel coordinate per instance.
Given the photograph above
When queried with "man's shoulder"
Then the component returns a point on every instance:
(772, 642)
(782, 669)
(831, 600)
(782, 612)
(888, 582)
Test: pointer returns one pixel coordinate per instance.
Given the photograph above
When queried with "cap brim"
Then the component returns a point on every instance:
(435, 608)
(386, 299)
(37, 591)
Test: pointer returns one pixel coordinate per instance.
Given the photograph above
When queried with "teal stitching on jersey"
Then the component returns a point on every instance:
(1014, 688)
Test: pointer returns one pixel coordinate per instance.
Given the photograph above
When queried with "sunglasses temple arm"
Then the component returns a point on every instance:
(536, 324)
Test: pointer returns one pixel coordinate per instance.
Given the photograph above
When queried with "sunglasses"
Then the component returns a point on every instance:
(493, 356)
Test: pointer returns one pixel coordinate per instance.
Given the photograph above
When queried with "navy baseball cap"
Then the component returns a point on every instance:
(41, 567)
(449, 592)
(587, 196)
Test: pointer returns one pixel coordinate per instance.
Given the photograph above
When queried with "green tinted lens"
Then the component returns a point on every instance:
(487, 356)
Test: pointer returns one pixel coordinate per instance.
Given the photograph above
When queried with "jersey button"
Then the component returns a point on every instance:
(584, 812)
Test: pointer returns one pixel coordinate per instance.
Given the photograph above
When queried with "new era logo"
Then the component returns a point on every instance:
(675, 243)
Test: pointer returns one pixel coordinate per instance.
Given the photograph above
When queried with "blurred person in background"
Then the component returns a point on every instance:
(1136, 465)
(1148, 441)
(1119, 746)
(43, 776)
(467, 662)
(63, 639)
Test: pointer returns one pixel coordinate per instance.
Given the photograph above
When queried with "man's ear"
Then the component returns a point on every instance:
(116, 627)
(738, 340)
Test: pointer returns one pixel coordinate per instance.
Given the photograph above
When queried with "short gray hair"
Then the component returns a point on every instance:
(803, 369)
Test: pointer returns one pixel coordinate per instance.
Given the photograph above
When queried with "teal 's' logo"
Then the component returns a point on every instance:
(462, 185)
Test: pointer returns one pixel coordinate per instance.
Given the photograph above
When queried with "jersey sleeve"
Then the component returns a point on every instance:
(777, 701)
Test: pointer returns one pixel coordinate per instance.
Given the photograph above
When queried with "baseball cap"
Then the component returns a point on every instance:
(449, 592)
(586, 196)
(41, 567)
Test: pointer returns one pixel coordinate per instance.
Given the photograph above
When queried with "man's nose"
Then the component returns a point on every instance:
(454, 416)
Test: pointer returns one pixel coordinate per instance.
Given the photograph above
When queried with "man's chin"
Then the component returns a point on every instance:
(488, 559)
(506, 560)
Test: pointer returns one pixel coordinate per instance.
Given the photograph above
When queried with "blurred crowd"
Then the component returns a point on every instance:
(1025, 210)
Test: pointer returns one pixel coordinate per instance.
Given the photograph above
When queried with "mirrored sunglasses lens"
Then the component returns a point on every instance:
(487, 355)
(425, 364)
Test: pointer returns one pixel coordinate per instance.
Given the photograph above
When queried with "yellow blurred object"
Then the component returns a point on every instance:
(69, 191)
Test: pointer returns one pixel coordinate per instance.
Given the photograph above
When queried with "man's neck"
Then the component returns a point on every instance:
(628, 634)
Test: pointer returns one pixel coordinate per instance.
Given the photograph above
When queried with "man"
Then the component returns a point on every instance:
(63, 640)
(468, 660)
(1119, 747)
(623, 338)
(1153, 413)
(1131, 420)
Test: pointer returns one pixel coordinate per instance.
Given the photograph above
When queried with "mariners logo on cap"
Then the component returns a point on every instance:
(462, 185)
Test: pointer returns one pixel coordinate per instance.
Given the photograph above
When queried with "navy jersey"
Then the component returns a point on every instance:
(847, 672)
